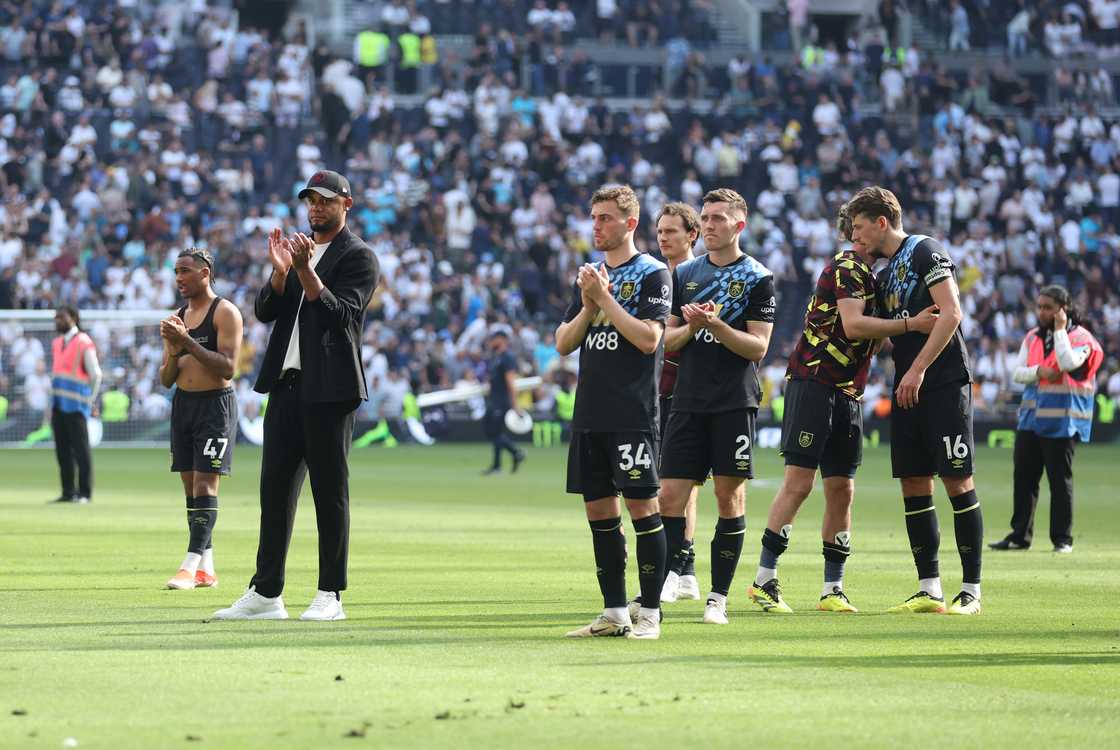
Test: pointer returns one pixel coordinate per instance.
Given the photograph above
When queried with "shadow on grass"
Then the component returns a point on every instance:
(907, 661)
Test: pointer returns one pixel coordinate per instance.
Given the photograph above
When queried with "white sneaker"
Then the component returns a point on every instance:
(669, 589)
(688, 588)
(601, 627)
(646, 627)
(715, 613)
(633, 607)
(1063, 549)
(253, 606)
(325, 606)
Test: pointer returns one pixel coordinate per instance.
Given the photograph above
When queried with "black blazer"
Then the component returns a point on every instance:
(330, 328)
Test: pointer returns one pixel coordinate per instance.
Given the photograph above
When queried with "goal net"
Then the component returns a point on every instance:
(133, 408)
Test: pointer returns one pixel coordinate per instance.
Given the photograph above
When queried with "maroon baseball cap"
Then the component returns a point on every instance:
(327, 184)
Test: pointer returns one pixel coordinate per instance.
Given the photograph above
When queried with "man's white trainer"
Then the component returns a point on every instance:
(688, 588)
(601, 627)
(715, 612)
(669, 588)
(325, 606)
(253, 606)
(647, 626)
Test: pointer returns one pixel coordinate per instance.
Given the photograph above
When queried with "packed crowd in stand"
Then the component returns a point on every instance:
(128, 134)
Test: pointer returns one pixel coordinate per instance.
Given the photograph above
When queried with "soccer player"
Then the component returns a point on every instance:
(201, 344)
(616, 319)
(931, 411)
(722, 316)
(678, 228)
(822, 426)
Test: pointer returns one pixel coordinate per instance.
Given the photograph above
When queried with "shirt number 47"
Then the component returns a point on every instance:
(210, 450)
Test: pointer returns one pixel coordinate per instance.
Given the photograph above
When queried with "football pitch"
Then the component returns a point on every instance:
(462, 586)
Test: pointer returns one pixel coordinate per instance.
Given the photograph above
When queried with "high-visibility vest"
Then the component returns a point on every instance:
(429, 51)
(3, 408)
(810, 56)
(114, 406)
(1065, 408)
(410, 50)
(373, 47)
(70, 386)
(565, 405)
(1106, 409)
(410, 407)
(778, 407)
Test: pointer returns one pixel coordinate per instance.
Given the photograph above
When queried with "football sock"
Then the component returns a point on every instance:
(676, 547)
(610, 560)
(773, 545)
(617, 614)
(690, 562)
(931, 586)
(651, 551)
(202, 514)
(190, 563)
(968, 524)
(971, 588)
(207, 564)
(925, 537)
(835, 555)
(727, 545)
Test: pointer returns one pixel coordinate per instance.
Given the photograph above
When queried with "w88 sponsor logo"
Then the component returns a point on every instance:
(706, 336)
(601, 340)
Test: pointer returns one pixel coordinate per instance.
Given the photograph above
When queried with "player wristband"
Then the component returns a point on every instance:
(905, 326)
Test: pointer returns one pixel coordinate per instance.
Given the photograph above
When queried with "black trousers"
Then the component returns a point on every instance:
(500, 436)
(71, 446)
(299, 439)
(1032, 455)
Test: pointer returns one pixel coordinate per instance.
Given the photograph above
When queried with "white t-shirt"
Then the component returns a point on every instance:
(291, 358)
(1108, 185)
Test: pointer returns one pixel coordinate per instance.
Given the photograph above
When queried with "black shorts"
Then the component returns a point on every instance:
(934, 437)
(821, 427)
(203, 430)
(697, 443)
(604, 464)
(665, 407)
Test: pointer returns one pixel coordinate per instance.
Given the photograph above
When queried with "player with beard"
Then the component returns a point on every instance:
(616, 319)
(722, 317)
(931, 412)
(317, 294)
(201, 345)
(822, 427)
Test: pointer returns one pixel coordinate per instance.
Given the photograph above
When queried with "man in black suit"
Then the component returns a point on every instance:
(317, 296)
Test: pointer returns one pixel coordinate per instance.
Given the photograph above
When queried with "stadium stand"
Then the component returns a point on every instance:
(474, 132)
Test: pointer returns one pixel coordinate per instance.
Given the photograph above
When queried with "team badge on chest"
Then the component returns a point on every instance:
(735, 289)
(626, 291)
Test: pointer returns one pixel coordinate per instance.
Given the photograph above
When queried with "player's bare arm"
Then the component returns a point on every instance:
(857, 325)
(169, 368)
(645, 335)
(948, 302)
(570, 335)
(678, 333)
(220, 363)
(749, 344)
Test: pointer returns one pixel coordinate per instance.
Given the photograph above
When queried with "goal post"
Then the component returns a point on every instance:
(133, 408)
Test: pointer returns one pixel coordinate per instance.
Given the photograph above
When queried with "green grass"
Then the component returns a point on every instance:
(461, 588)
